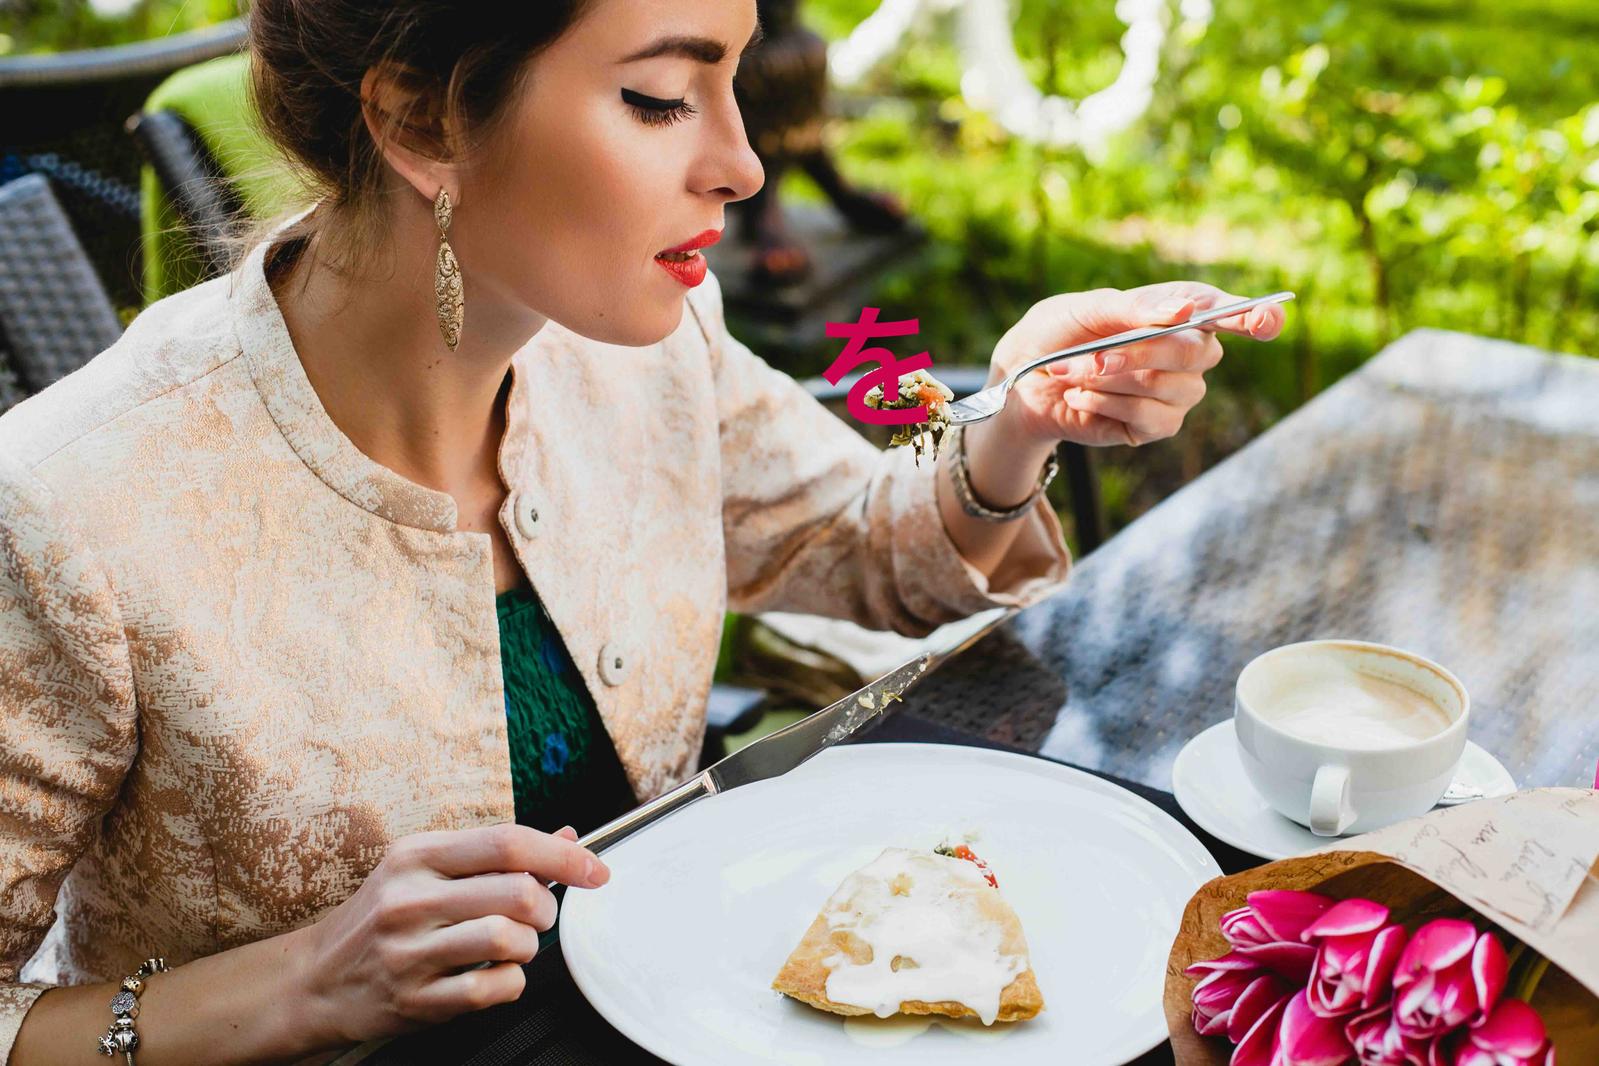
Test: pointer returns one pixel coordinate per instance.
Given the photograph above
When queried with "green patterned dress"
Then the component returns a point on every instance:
(564, 768)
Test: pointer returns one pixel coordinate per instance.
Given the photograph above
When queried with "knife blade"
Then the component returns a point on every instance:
(772, 755)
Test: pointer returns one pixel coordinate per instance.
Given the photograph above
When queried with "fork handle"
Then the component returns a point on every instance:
(1144, 333)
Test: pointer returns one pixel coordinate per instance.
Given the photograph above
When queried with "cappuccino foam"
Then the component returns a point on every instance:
(1332, 703)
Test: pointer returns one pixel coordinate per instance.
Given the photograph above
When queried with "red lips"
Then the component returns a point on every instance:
(704, 240)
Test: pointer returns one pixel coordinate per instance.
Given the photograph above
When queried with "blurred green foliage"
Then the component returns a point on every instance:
(60, 25)
(1398, 163)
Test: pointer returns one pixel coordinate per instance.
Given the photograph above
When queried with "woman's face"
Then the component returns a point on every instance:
(584, 183)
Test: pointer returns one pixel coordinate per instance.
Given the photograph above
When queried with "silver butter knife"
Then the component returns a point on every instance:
(772, 755)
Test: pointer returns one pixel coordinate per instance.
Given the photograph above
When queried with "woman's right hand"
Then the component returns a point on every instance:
(391, 957)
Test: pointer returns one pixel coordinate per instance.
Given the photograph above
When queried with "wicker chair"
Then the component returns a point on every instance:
(54, 313)
(64, 116)
(192, 182)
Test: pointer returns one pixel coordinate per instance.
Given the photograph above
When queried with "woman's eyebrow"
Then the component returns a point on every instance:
(702, 49)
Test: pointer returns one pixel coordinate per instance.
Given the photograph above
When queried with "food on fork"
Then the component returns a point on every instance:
(915, 389)
(916, 932)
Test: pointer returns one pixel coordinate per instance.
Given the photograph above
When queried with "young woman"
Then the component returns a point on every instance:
(324, 599)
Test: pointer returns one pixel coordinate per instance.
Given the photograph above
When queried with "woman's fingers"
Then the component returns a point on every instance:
(1170, 387)
(1193, 351)
(472, 990)
(1144, 419)
(504, 848)
(1260, 323)
(520, 897)
(491, 938)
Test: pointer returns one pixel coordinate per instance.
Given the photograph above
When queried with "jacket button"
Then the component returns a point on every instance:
(615, 664)
(527, 516)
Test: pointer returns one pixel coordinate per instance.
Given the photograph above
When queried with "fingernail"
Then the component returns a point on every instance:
(1112, 363)
(597, 873)
(1173, 308)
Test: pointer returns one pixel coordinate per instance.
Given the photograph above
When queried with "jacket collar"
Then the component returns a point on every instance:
(280, 377)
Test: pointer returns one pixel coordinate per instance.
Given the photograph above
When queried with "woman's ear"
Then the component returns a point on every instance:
(406, 117)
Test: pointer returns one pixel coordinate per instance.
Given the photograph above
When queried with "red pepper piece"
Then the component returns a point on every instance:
(962, 851)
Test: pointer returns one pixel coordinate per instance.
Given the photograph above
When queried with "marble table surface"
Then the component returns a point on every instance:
(1443, 498)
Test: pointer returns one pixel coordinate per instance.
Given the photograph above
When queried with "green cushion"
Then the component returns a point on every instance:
(213, 98)
(732, 627)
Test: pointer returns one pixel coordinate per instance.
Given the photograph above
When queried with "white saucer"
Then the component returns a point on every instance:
(1209, 783)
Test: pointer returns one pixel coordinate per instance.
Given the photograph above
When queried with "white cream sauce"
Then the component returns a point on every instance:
(919, 906)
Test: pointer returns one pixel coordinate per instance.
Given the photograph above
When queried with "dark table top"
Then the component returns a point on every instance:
(1444, 498)
(553, 1025)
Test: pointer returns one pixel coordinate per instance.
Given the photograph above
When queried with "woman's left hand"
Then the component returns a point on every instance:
(1130, 395)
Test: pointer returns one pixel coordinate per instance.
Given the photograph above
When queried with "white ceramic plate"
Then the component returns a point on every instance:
(679, 949)
(1209, 782)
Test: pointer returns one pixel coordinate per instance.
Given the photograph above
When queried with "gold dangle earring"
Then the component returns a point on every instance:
(447, 279)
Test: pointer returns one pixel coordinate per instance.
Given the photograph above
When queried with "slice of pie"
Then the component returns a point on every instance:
(916, 932)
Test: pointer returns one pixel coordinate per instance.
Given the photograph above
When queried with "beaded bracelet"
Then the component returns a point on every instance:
(120, 1034)
(968, 499)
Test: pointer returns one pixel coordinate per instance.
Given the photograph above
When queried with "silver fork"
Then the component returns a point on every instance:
(990, 401)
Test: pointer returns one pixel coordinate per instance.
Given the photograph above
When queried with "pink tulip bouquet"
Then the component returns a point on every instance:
(1314, 981)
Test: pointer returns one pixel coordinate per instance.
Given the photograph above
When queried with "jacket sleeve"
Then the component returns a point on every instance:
(68, 723)
(816, 519)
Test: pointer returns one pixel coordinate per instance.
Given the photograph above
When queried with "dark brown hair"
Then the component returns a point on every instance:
(463, 59)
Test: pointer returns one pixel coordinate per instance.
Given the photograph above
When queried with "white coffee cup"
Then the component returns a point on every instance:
(1345, 736)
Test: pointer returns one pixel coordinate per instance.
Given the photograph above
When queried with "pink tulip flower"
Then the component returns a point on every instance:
(1378, 1042)
(1356, 952)
(1511, 1035)
(1214, 997)
(1291, 1034)
(1305, 1038)
(1267, 930)
(1261, 1045)
(1273, 916)
(1447, 976)
(1311, 981)
(1229, 1001)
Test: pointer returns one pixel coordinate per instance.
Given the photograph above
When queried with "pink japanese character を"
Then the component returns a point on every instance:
(887, 375)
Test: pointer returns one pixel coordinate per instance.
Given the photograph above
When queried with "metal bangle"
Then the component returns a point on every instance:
(120, 1035)
(961, 476)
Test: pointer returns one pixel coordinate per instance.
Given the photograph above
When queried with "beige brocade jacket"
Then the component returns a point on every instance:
(238, 657)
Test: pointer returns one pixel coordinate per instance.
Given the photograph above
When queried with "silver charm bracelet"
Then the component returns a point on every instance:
(120, 1035)
(961, 477)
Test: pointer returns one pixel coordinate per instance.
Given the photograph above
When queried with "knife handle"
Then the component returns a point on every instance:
(612, 832)
(696, 787)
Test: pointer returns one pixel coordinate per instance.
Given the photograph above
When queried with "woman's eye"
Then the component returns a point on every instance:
(653, 112)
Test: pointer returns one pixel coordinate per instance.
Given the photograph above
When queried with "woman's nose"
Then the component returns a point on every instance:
(739, 173)
(751, 175)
